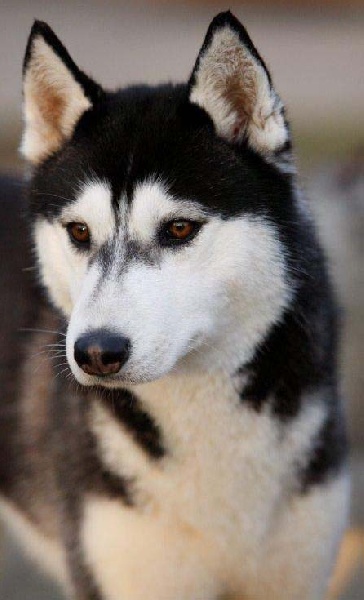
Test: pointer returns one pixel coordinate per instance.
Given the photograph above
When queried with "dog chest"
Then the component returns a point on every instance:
(222, 476)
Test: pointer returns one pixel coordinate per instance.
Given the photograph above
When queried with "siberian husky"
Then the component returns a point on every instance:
(187, 442)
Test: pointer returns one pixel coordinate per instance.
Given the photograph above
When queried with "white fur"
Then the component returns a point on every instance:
(53, 102)
(234, 90)
(152, 204)
(93, 206)
(147, 558)
(299, 558)
(61, 267)
(213, 514)
(219, 294)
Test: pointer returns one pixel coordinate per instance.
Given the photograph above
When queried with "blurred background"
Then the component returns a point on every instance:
(315, 49)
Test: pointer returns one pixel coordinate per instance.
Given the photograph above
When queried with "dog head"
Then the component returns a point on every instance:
(162, 215)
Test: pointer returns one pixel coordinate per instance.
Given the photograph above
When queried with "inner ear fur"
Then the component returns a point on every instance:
(55, 94)
(231, 82)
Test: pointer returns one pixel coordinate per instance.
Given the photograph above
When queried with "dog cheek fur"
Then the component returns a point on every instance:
(244, 267)
(55, 263)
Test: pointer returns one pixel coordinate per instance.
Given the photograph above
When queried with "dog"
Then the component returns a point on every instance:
(187, 441)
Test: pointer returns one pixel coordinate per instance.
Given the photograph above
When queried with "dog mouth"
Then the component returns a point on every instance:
(113, 381)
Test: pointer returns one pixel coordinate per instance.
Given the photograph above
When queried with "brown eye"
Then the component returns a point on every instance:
(79, 233)
(180, 230)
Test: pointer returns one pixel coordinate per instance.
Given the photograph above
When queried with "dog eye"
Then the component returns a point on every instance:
(179, 231)
(79, 233)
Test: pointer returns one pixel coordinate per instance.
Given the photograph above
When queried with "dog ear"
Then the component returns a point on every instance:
(231, 82)
(55, 94)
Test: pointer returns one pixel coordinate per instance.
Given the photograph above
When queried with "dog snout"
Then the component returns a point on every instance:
(101, 352)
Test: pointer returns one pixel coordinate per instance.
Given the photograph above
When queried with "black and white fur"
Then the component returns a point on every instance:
(213, 464)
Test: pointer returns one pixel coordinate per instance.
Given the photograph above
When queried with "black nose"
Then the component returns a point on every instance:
(101, 352)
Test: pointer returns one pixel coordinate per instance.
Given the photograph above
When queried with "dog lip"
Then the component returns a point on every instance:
(113, 381)
(110, 380)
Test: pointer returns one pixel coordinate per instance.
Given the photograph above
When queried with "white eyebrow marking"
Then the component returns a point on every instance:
(93, 207)
(152, 204)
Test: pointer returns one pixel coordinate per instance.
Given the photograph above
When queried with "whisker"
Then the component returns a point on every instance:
(52, 347)
(61, 364)
(37, 193)
(50, 353)
(44, 360)
(70, 376)
(34, 330)
(60, 373)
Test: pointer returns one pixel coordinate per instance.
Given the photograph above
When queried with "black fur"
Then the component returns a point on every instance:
(144, 132)
(329, 452)
(299, 353)
(125, 406)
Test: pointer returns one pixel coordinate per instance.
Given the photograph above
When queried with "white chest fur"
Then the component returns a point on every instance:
(204, 510)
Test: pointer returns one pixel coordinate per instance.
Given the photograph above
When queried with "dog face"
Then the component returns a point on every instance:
(162, 216)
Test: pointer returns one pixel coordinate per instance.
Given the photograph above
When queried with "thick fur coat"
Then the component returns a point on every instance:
(187, 441)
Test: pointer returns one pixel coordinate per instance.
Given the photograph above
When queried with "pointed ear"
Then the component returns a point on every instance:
(231, 82)
(55, 94)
